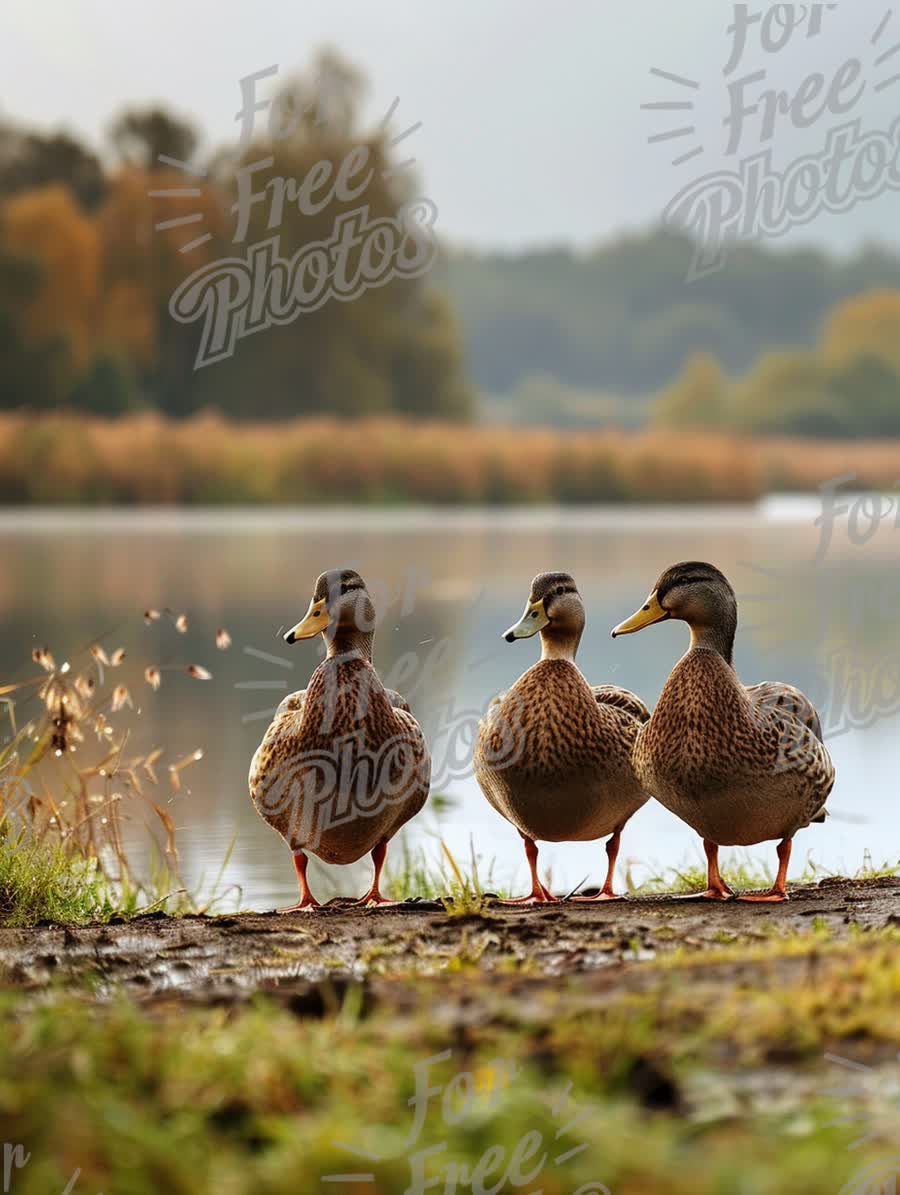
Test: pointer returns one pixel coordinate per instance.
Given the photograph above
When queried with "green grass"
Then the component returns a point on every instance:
(41, 883)
(744, 874)
(258, 1098)
(460, 888)
(44, 882)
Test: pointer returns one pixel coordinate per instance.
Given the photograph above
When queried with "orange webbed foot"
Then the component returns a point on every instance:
(765, 898)
(303, 906)
(374, 900)
(715, 894)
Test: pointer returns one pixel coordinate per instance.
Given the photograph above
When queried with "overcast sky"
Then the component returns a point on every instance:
(532, 128)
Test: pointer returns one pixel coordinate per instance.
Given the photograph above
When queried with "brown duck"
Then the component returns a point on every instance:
(740, 764)
(554, 753)
(344, 763)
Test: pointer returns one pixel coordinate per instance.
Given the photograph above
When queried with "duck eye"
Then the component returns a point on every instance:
(534, 613)
(560, 591)
(317, 613)
(343, 590)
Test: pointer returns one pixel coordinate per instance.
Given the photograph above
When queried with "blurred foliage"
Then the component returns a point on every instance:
(622, 319)
(86, 274)
(553, 337)
(847, 387)
(698, 399)
(708, 1079)
(543, 400)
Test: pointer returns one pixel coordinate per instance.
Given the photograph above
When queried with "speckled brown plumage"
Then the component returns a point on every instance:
(741, 765)
(736, 764)
(344, 763)
(553, 753)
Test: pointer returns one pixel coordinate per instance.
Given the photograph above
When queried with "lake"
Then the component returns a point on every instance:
(446, 584)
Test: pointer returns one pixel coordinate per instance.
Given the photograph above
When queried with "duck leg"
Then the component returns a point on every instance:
(779, 888)
(540, 894)
(716, 888)
(373, 897)
(307, 900)
(612, 853)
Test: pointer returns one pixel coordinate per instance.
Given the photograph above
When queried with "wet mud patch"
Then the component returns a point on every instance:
(215, 960)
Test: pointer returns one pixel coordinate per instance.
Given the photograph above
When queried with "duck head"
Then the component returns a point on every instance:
(696, 593)
(341, 610)
(556, 611)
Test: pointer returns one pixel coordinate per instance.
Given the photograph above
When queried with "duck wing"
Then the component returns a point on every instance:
(277, 739)
(397, 701)
(796, 720)
(622, 699)
(776, 695)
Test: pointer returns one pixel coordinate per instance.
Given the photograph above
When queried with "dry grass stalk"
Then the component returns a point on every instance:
(66, 775)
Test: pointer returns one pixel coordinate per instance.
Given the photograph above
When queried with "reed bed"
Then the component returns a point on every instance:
(207, 460)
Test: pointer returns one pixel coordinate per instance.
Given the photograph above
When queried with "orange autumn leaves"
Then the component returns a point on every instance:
(107, 276)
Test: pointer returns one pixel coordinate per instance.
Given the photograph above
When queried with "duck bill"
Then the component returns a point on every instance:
(313, 622)
(648, 614)
(533, 620)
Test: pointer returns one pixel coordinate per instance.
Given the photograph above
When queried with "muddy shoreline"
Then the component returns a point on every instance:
(207, 960)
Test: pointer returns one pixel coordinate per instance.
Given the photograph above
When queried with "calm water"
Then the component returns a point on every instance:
(445, 586)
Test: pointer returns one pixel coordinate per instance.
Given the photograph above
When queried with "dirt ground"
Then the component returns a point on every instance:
(306, 959)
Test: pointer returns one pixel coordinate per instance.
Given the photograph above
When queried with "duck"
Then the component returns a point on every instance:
(553, 754)
(344, 764)
(740, 764)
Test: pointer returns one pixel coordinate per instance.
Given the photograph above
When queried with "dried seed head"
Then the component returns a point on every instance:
(84, 686)
(99, 654)
(153, 677)
(198, 672)
(121, 697)
(181, 623)
(42, 656)
(117, 657)
(151, 616)
(223, 639)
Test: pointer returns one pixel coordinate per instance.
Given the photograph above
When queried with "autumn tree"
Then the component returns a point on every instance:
(47, 225)
(107, 254)
(394, 347)
(865, 326)
(35, 373)
(32, 161)
(789, 393)
(699, 397)
(141, 137)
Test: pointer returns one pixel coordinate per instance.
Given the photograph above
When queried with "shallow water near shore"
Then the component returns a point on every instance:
(446, 584)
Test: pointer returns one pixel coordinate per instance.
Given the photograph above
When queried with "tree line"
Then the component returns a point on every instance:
(87, 273)
(94, 245)
(622, 320)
